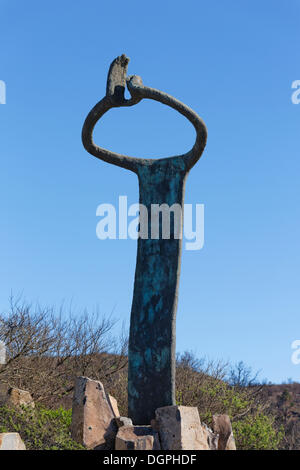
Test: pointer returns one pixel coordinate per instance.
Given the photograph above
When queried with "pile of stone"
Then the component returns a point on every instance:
(97, 424)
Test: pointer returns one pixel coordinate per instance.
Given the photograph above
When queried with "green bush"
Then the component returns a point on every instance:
(40, 429)
(257, 432)
(253, 429)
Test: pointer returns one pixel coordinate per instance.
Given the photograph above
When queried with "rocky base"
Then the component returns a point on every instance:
(96, 424)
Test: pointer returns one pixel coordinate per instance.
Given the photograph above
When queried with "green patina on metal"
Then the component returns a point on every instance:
(151, 369)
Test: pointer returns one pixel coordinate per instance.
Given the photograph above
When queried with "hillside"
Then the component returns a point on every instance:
(252, 409)
(284, 402)
(45, 353)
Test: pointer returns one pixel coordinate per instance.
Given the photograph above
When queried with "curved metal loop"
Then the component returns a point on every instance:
(114, 97)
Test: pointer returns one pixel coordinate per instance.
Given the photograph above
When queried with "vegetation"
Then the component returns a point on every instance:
(40, 429)
(214, 390)
(46, 352)
(257, 432)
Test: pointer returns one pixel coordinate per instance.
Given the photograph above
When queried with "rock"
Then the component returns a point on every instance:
(114, 405)
(211, 438)
(11, 441)
(123, 421)
(18, 398)
(137, 438)
(93, 419)
(222, 426)
(179, 428)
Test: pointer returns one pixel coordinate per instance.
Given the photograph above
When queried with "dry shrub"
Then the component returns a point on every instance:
(45, 352)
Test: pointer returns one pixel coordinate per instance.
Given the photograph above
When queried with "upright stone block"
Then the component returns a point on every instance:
(222, 426)
(137, 438)
(11, 441)
(179, 428)
(93, 418)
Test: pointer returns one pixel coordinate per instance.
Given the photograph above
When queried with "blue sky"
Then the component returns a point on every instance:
(232, 62)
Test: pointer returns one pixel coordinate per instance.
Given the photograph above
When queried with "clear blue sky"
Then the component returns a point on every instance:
(231, 61)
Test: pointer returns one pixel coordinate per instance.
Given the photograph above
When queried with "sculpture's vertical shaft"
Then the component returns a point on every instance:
(151, 373)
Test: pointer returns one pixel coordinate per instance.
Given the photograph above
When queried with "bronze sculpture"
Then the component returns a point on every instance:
(151, 374)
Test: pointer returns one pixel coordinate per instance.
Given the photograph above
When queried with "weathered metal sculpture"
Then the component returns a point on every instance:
(151, 374)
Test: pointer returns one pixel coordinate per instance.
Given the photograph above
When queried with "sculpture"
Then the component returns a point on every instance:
(151, 368)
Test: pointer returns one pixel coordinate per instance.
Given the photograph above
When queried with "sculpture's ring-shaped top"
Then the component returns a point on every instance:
(116, 83)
